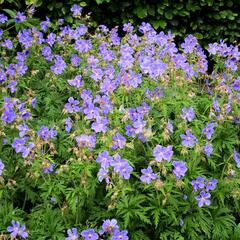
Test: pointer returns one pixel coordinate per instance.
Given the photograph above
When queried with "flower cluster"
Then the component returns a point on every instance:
(109, 227)
(19, 145)
(205, 186)
(119, 165)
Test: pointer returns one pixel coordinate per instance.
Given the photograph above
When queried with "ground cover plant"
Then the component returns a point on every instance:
(115, 138)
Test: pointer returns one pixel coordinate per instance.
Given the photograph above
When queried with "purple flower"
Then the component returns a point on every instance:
(26, 150)
(100, 125)
(109, 226)
(21, 56)
(104, 103)
(203, 198)
(83, 46)
(68, 124)
(216, 105)
(236, 84)
(236, 157)
(76, 10)
(169, 126)
(46, 133)
(231, 64)
(51, 38)
(157, 69)
(189, 44)
(157, 93)
(213, 48)
(17, 230)
(108, 86)
(139, 126)
(45, 24)
(8, 44)
(188, 114)
(115, 39)
(211, 184)
(48, 167)
(118, 141)
(145, 64)
(128, 27)
(26, 38)
(121, 166)
(20, 68)
(72, 105)
(180, 169)
(33, 102)
(72, 234)
(104, 159)
(31, 10)
(8, 115)
(91, 111)
(23, 128)
(103, 174)
(188, 139)
(59, 65)
(3, 18)
(92, 60)
(75, 60)
(120, 235)
(180, 61)
(1, 167)
(53, 200)
(208, 149)
(97, 74)
(47, 53)
(130, 79)
(20, 17)
(86, 141)
(18, 144)
(163, 153)
(43, 132)
(208, 130)
(130, 131)
(198, 183)
(145, 27)
(3, 76)
(89, 234)
(12, 86)
(148, 175)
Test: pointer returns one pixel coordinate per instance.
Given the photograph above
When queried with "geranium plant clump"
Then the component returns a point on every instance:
(115, 138)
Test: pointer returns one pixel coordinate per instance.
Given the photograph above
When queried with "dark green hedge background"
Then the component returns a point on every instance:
(210, 20)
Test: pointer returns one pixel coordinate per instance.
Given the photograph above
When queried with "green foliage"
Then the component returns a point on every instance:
(208, 20)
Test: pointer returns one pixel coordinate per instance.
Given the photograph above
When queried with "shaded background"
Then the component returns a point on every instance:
(210, 20)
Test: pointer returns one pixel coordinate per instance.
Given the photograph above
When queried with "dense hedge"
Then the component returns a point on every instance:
(207, 19)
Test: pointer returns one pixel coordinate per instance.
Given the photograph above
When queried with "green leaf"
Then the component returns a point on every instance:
(199, 35)
(168, 15)
(141, 12)
(10, 12)
(151, 10)
(83, 4)
(99, 1)
(159, 23)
